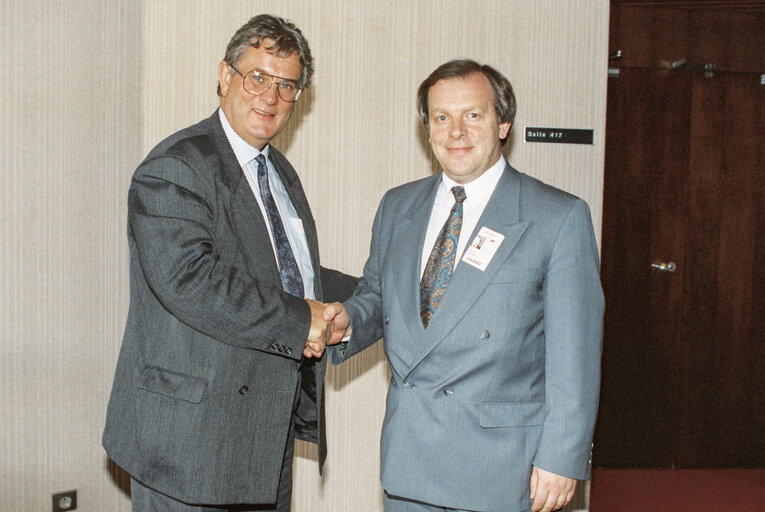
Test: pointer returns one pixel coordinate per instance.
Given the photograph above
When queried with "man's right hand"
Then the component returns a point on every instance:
(321, 315)
(550, 491)
(337, 314)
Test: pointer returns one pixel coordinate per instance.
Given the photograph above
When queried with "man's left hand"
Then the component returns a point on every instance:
(550, 491)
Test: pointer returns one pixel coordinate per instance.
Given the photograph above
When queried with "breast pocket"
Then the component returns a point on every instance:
(515, 293)
(510, 274)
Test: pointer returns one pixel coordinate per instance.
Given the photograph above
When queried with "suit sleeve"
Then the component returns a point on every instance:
(573, 324)
(172, 210)
(365, 306)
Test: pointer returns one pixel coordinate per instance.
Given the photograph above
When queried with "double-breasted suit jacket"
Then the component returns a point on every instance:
(209, 365)
(506, 375)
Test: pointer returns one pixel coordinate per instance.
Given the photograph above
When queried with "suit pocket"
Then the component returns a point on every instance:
(510, 414)
(172, 384)
(510, 274)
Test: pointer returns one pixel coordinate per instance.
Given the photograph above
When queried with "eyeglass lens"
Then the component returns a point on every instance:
(258, 83)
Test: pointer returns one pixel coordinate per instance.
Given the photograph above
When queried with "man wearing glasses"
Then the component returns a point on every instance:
(219, 369)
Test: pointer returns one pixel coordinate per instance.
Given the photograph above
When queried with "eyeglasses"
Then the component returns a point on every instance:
(256, 82)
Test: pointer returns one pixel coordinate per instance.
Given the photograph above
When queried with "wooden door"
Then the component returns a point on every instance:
(721, 385)
(643, 223)
(684, 351)
(684, 187)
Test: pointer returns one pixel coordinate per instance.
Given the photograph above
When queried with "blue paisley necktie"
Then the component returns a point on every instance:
(288, 269)
(438, 270)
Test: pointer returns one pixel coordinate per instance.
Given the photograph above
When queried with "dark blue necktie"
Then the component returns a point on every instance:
(288, 269)
(438, 270)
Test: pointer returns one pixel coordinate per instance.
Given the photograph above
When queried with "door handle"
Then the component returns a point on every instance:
(664, 267)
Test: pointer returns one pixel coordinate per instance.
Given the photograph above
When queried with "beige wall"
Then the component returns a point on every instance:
(91, 86)
(70, 131)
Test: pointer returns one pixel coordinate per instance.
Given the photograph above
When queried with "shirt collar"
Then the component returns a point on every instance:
(478, 190)
(242, 150)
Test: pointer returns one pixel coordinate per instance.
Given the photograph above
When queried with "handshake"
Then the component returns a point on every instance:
(329, 325)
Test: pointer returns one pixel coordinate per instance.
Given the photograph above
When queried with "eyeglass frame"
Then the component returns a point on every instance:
(272, 79)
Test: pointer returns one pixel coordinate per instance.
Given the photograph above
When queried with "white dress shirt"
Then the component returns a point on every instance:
(293, 225)
(477, 194)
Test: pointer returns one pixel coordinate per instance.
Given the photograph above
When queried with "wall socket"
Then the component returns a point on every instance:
(65, 501)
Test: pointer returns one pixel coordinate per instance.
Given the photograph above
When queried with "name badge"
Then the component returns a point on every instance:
(482, 248)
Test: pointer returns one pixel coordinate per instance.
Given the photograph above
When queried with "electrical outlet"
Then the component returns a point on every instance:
(65, 501)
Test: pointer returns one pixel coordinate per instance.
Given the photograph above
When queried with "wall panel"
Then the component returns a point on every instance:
(70, 135)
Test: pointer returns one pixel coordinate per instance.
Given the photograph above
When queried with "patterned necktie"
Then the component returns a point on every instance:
(438, 270)
(288, 269)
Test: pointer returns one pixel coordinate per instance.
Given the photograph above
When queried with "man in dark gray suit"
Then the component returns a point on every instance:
(484, 283)
(219, 369)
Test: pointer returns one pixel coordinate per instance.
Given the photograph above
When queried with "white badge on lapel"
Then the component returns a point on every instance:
(482, 248)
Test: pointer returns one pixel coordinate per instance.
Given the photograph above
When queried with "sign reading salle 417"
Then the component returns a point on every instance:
(559, 135)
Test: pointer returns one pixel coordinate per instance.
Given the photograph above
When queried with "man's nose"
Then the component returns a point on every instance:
(457, 129)
(271, 95)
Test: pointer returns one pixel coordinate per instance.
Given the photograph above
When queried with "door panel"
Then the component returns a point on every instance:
(683, 379)
(643, 189)
(721, 361)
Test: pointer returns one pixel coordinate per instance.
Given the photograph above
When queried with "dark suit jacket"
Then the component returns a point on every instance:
(208, 370)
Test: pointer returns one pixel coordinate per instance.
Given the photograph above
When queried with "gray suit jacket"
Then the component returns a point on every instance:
(208, 369)
(507, 373)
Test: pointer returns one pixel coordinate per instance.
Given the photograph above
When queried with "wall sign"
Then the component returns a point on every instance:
(557, 135)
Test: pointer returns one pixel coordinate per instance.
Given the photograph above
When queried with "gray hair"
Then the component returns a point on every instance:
(288, 39)
(504, 98)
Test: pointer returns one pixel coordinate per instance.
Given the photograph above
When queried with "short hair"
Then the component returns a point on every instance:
(504, 98)
(288, 39)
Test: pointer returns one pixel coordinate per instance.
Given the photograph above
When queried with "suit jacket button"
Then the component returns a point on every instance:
(407, 384)
(274, 346)
(288, 350)
(243, 390)
(387, 319)
(448, 392)
(484, 334)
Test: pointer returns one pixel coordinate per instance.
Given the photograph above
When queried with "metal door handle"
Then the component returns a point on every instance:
(664, 267)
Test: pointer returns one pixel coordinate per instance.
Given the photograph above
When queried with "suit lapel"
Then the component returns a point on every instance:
(468, 283)
(248, 223)
(408, 240)
(253, 233)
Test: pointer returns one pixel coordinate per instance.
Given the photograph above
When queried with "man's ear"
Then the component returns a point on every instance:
(224, 77)
(504, 129)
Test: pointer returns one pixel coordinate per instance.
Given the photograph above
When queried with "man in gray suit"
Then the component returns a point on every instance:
(218, 370)
(484, 284)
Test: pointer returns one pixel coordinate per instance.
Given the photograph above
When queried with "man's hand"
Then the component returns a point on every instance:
(337, 314)
(550, 491)
(314, 346)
